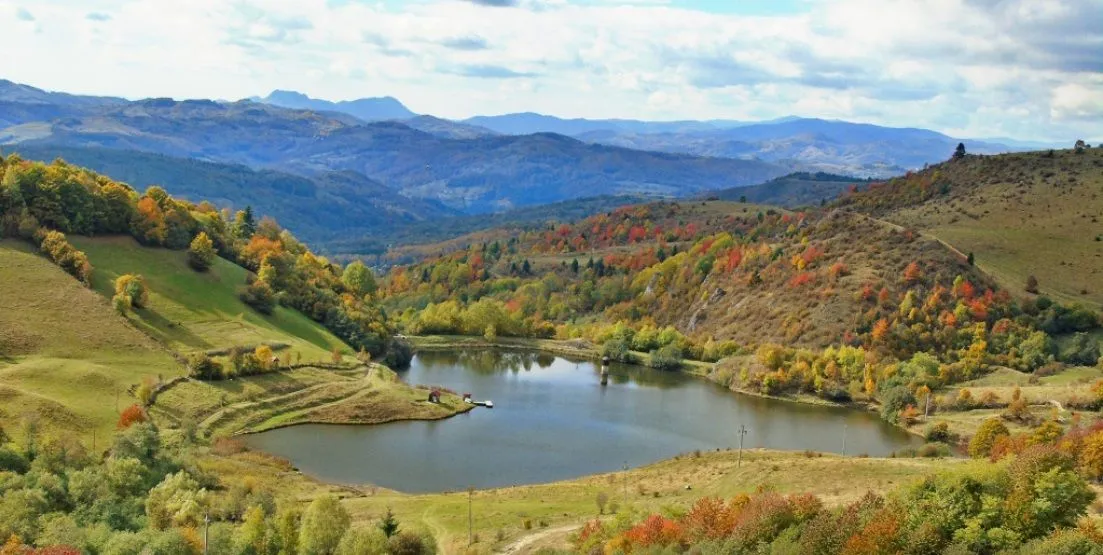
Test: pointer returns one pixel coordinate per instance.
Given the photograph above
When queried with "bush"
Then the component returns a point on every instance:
(940, 433)
(133, 288)
(10, 461)
(933, 450)
(259, 296)
(134, 414)
(74, 262)
(617, 350)
(894, 401)
(981, 444)
(202, 367)
(667, 358)
(201, 253)
(1083, 351)
(399, 353)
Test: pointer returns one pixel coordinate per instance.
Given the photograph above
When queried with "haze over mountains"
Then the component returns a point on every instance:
(803, 144)
(357, 168)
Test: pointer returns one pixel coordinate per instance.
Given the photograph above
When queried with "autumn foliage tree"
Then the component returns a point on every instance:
(201, 253)
(132, 288)
(131, 415)
(981, 444)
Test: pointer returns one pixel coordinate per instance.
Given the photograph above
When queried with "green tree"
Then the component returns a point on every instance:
(981, 444)
(288, 523)
(359, 279)
(616, 349)
(324, 524)
(201, 253)
(176, 501)
(668, 357)
(245, 224)
(252, 537)
(959, 152)
(363, 541)
(388, 524)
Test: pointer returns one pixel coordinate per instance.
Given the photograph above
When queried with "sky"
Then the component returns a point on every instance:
(1025, 69)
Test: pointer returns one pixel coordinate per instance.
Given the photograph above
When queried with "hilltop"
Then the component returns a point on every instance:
(1020, 215)
(367, 109)
(793, 190)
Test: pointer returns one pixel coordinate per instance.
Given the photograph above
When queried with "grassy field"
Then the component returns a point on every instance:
(64, 353)
(191, 311)
(1025, 214)
(500, 515)
(1071, 386)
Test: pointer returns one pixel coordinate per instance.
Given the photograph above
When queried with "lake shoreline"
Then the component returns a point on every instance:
(586, 349)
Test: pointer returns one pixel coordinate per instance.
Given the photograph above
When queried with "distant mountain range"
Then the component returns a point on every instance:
(458, 165)
(377, 153)
(801, 144)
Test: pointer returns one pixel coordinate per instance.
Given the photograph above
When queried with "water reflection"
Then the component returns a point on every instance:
(554, 420)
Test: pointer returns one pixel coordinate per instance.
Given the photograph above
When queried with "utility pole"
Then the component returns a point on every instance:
(470, 521)
(626, 485)
(742, 432)
(206, 528)
(844, 439)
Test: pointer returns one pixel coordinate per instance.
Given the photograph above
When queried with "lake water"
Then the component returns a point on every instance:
(553, 420)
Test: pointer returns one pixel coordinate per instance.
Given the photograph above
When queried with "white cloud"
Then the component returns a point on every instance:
(1023, 68)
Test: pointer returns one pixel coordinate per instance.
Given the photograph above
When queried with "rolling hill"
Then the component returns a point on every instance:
(323, 207)
(65, 355)
(1024, 214)
(793, 190)
(195, 312)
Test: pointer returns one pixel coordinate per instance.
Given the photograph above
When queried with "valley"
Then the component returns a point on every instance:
(182, 337)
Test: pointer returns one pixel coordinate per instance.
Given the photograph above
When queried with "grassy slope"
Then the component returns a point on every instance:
(1024, 214)
(190, 311)
(570, 503)
(64, 353)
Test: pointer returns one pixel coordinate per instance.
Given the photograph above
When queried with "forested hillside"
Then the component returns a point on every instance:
(854, 300)
(323, 207)
(42, 203)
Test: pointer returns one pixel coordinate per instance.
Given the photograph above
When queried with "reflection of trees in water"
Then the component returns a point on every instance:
(642, 375)
(496, 361)
(487, 361)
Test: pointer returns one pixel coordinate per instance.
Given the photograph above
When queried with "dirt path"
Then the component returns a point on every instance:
(550, 537)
